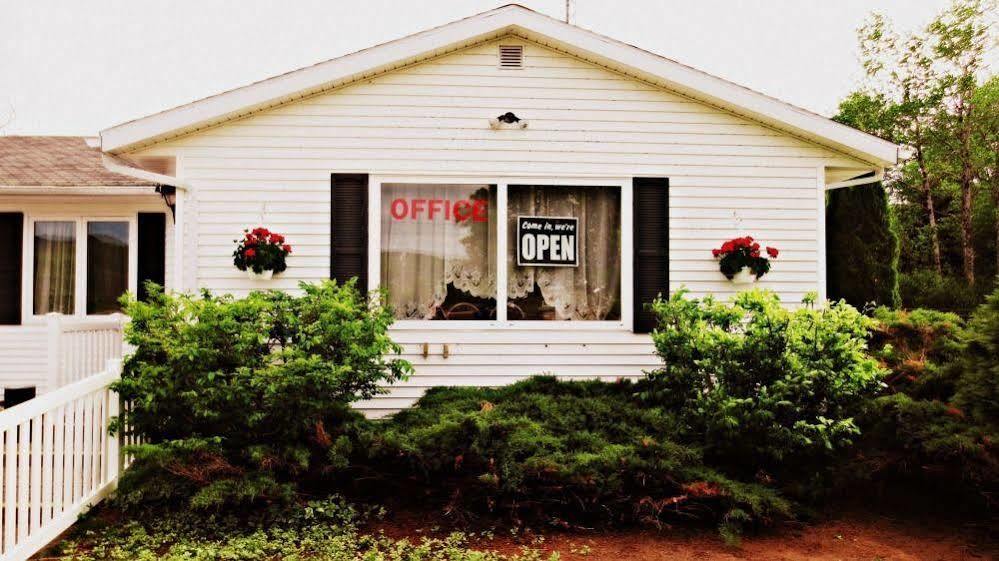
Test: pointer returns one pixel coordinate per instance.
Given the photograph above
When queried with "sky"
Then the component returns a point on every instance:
(75, 68)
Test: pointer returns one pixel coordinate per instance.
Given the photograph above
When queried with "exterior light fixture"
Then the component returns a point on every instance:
(169, 194)
(507, 121)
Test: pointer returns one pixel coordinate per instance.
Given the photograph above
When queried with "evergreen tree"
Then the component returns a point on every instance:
(861, 247)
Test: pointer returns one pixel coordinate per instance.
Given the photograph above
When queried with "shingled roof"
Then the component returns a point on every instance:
(56, 161)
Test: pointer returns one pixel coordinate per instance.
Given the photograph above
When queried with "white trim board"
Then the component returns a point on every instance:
(507, 20)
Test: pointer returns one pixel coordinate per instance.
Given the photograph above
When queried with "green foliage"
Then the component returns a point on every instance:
(912, 344)
(937, 428)
(327, 530)
(560, 452)
(239, 399)
(976, 369)
(928, 290)
(861, 248)
(762, 386)
(932, 90)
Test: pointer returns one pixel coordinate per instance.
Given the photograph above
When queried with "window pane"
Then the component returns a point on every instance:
(55, 267)
(438, 254)
(107, 266)
(578, 228)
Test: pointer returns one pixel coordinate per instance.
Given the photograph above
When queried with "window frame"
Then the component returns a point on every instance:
(80, 280)
(502, 183)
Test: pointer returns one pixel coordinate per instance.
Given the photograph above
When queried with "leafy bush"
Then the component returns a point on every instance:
(238, 399)
(977, 366)
(912, 344)
(319, 530)
(560, 452)
(936, 430)
(763, 387)
(926, 289)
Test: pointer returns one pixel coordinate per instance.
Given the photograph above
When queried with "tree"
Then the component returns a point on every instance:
(861, 248)
(959, 39)
(903, 80)
(985, 138)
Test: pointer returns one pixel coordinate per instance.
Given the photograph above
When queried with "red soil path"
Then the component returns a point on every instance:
(856, 537)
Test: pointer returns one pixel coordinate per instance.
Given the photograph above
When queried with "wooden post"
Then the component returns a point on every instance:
(54, 349)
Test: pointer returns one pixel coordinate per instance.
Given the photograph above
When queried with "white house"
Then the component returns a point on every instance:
(408, 165)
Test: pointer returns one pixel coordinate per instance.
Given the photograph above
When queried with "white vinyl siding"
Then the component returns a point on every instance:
(728, 177)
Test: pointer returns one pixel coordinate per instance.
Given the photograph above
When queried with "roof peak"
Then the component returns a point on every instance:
(506, 19)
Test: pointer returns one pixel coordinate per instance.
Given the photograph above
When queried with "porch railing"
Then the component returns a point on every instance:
(80, 347)
(57, 460)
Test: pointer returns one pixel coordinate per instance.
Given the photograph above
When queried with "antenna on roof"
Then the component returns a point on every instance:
(569, 8)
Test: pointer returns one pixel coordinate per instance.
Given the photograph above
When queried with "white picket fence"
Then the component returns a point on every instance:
(57, 460)
(78, 348)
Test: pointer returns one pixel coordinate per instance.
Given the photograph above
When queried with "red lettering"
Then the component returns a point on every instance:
(480, 211)
(399, 209)
(434, 203)
(417, 206)
(458, 205)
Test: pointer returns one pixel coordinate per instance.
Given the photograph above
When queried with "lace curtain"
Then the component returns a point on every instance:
(423, 252)
(55, 267)
(590, 291)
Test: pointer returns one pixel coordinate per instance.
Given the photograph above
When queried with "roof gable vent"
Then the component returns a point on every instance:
(511, 56)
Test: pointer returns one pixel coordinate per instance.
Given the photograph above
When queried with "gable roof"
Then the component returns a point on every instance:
(511, 19)
(56, 161)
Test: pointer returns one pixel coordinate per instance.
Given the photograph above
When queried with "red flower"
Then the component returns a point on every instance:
(755, 254)
(772, 252)
(286, 248)
(249, 253)
(276, 238)
(716, 252)
(728, 246)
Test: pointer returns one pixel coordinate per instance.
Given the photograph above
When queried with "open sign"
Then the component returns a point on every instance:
(547, 241)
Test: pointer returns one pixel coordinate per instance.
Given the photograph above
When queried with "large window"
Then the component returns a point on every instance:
(438, 250)
(502, 252)
(575, 249)
(81, 265)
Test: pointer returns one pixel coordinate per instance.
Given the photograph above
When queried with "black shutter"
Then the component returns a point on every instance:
(349, 231)
(12, 232)
(651, 250)
(152, 250)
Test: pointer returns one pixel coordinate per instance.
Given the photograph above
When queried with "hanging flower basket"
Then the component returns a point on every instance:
(741, 262)
(261, 253)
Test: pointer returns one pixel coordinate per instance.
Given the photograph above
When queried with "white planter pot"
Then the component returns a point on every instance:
(744, 276)
(261, 276)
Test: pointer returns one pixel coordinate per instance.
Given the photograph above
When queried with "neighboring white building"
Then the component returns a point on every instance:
(363, 161)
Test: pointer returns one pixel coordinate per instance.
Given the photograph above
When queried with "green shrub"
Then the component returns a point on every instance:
(912, 344)
(761, 386)
(936, 429)
(239, 399)
(560, 452)
(861, 247)
(977, 367)
(926, 289)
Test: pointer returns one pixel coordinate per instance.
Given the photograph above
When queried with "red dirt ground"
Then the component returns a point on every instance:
(860, 537)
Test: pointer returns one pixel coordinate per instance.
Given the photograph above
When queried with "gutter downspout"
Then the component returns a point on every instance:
(179, 223)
